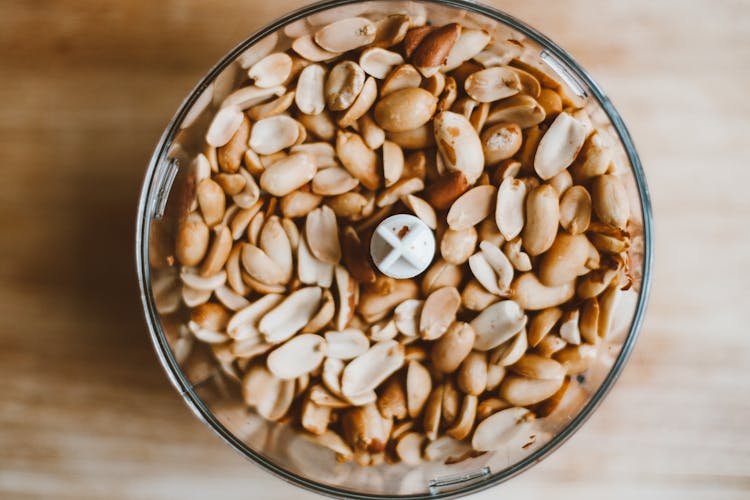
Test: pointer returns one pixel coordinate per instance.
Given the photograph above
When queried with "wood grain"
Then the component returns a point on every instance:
(85, 410)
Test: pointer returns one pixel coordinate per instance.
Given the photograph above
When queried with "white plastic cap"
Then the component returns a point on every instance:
(402, 246)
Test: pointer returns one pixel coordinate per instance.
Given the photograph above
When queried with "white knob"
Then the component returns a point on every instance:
(402, 246)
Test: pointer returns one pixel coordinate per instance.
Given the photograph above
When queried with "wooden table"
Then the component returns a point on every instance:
(86, 411)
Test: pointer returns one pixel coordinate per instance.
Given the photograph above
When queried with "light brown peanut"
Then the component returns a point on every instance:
(438, 312)
(453, 347)
(288, 174)
(575, 210)
(192, 241)
(358, 159)
(569, 256)
(521, 109)
(501, 142)
(405, 109)
(456, 246)
(542, 219)
(472, 376)
(459, 145)
(610, 201)
(418, 387)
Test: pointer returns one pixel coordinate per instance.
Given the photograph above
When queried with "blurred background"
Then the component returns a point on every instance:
(86, 88)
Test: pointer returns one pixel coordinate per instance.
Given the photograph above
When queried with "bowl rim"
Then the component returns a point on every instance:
(196, 405)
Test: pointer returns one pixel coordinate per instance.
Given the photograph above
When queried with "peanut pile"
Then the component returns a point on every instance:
(359, 120)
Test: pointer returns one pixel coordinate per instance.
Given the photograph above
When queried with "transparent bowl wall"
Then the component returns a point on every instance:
(215, 398)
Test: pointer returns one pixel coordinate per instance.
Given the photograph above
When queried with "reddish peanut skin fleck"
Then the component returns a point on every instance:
(433, 49)
(443, 192)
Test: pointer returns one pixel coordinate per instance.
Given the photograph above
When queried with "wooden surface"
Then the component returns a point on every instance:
(86, 88)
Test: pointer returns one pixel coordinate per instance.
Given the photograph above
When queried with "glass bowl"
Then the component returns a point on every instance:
(277, 447)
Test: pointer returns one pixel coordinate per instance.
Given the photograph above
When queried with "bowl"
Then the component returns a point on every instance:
(206, 378)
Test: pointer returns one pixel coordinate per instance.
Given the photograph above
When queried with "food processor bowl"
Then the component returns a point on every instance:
(215, 398)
